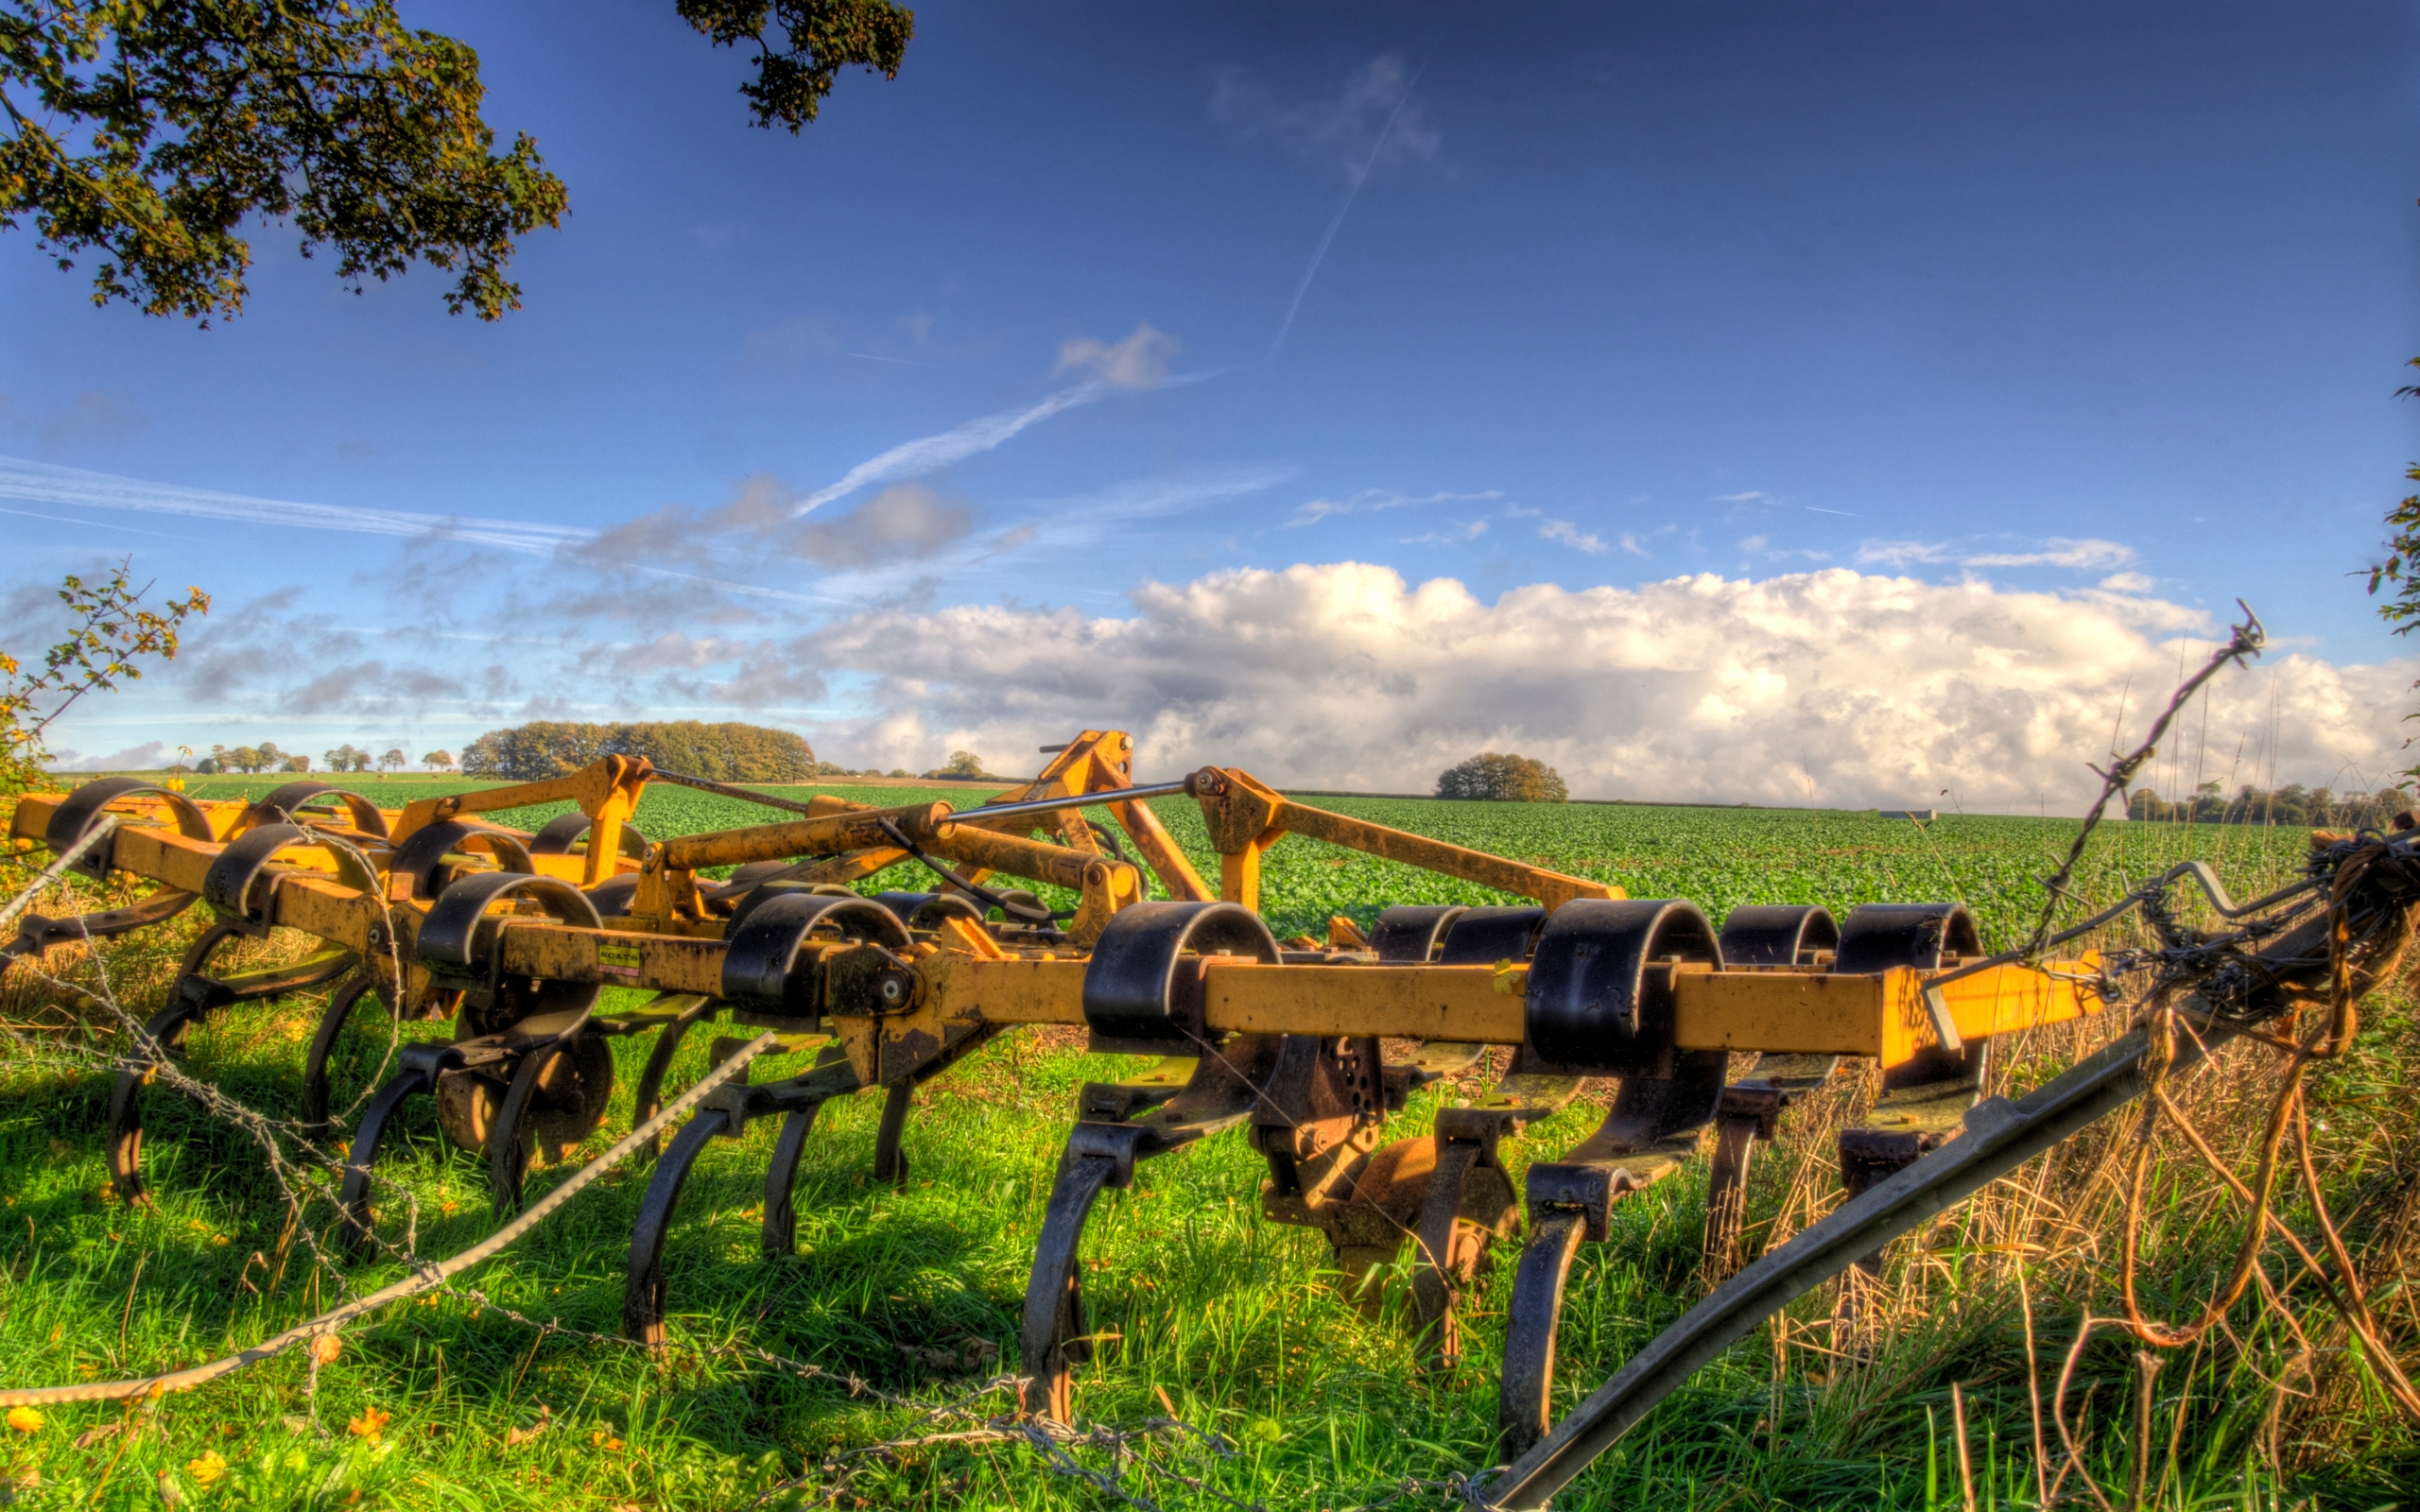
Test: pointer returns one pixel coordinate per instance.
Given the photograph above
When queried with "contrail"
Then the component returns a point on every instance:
(43, 483)
(1338, 224)
(928, 453)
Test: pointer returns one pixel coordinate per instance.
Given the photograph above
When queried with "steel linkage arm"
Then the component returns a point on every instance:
(1247, 817)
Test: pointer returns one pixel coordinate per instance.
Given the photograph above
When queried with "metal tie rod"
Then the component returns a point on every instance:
(993, 810)
(1073, 800)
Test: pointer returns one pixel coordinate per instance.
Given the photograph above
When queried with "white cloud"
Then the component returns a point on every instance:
(1900, 552)
(1336, 132)
(1140, 361)
(1370, 501)
(1878, 690)
(1579, 539)
(2058, 551)
(2084, 555)
(1453, 537)
(1752, 496)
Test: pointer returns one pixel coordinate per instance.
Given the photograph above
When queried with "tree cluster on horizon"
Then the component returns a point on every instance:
(1503, 779)
(728, 753)
(2292, 805)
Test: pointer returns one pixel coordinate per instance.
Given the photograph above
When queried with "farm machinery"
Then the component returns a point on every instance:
(1310, 1047)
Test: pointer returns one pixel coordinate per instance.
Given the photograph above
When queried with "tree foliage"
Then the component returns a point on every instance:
(147, 133)
(2292, 805)
(821, 36)
(438, 761)
(962, 764)
(148, 130)
(725, 752)
(111, 635)
(1508, 778)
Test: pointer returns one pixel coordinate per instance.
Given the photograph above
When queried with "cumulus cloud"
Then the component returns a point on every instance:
(1140, 361)
(1335, 132)
(1872, 689)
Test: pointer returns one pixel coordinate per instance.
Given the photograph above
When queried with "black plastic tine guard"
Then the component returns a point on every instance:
(1877, 936)
(1605, 1014)
(233, 886)
(451, 943)
(761, 945)
(905, 904)
(1776, 934)
(1482, 937)
(418, 855)
(285, 806)
(1129, 995)
(1410, 932)
(81, 810)
(1587, 1004)
(559, 833)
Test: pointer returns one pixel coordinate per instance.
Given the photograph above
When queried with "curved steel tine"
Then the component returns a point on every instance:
(1726, 1197)
(1054, 1340)
(1524, 1399)
(347, 997)
(643, 1288)
(206, 945)
(166, 1030)
(508, 1152)
(780, 1237)
(659, 1062)
(1434, 1282)
(353, 1202)
(889, 1160)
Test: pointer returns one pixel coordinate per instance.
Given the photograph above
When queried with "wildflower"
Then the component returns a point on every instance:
(24, 1419)
(211, 1465)
(326, 1348)
(370, 1425)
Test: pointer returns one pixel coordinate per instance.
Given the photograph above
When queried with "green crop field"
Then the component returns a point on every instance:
(510, 1391)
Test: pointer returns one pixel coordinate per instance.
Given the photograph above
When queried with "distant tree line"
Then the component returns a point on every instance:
(266, 757)
(725, 752)
(835, 769)
(2293, 806)
(1504, 779)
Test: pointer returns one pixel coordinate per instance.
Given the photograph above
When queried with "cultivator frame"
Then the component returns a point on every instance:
(435, 912)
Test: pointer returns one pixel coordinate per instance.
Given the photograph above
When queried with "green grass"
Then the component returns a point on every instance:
(1227, 1315)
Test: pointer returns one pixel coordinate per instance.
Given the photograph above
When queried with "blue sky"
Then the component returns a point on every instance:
(2082, 319)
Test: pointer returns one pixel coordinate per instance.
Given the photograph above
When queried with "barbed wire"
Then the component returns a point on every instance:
(304, 1174)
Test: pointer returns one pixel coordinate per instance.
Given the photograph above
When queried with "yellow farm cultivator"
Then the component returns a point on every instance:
(1309, 1047)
